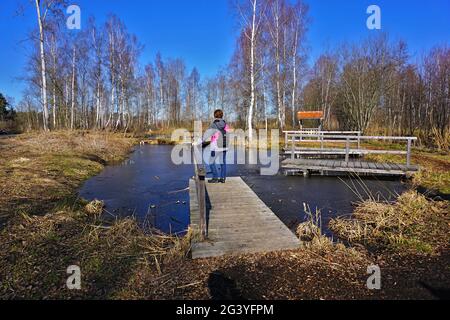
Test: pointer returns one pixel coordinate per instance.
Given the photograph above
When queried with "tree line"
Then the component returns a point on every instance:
(93, 78)
(374, 86)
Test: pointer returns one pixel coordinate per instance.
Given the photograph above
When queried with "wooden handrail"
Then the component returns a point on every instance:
(316, 133)
(348, 140)
(200, 186)
(324, 132)
(345, 137)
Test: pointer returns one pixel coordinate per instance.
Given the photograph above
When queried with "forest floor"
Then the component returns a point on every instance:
(46, 228)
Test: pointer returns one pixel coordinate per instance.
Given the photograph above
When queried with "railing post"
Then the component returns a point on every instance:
(321, 140)
(201, 189)
(293, 148)
(286, 140)
(408, 154)
(347, 151)
(359, 140)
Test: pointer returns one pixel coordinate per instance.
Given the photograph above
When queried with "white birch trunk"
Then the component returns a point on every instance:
(72, 107)
(294, 76)
(97, 118)
(54, 54)
(43, 67)
(252, 74)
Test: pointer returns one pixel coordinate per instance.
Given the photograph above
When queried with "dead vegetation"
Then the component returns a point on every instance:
(39, 170)
(434, 173)
(440, 140)
(95, 207)
(310, 231)
(38, 249)
(412, 224)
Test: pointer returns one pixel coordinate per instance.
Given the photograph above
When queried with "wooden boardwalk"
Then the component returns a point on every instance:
(338, 152)
(322, 152)
(239, 222)
(360, 167)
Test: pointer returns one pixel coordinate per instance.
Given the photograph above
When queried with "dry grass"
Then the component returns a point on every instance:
(38, 170)
(434, 171)
(38, 249)
(48, 229)
(437, 139)
(95, 207)
(310, 231)
(321, 247)
(412, 224)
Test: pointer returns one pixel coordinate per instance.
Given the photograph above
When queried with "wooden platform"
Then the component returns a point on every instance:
(360, 167)
(338, 152)
(239, 222)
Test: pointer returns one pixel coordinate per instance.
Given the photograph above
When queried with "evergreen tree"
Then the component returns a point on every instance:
(3, 107)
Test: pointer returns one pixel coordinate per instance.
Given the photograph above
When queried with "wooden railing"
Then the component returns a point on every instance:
(356, 138)
(200, 187)
(318, 135)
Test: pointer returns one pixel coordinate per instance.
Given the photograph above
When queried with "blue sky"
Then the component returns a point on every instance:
(203, 32)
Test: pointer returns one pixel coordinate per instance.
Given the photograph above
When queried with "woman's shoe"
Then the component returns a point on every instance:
(222, 180)
(214, 180)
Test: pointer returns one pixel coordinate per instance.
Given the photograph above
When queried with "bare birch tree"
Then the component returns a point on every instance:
(251, 13)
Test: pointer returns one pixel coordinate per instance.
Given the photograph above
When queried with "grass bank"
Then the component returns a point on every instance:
(434, 174)
(46, 228)
(413, 224)
(416, 227)
(40, 171)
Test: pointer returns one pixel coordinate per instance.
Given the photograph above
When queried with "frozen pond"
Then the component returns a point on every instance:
(150, 187)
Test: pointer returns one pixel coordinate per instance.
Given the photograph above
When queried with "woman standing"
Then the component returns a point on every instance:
(219, 148)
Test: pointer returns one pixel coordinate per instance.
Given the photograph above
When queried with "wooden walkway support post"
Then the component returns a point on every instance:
(408, 153)
(359, 140)
(347, 150)
(293, 148)
(286, 139)
(200, 187)
(201, 194)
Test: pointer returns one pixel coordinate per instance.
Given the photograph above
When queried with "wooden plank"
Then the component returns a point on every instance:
(237, 237)
(360, 167)
(394, 166)
(322, 163)
(379, 166)
(372, 166)
(221, 249)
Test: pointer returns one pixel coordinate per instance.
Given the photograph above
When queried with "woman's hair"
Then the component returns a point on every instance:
(218, 114)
